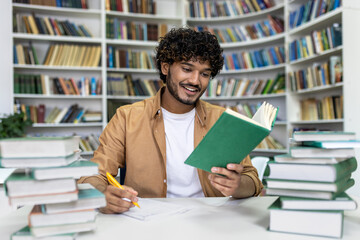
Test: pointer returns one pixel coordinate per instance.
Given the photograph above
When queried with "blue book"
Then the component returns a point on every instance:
(271, 30)
(259, 59)
(110, 52)
(16, 61)
(253, 60)
(261, 4)
(236, 61)
(93, 86)
(273, 54)
(300, 16)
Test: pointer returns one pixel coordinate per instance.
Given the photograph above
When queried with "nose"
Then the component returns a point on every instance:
(195, 78)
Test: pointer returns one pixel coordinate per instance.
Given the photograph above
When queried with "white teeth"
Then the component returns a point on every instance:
(192, 90)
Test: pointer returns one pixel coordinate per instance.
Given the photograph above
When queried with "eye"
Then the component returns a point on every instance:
(186, 69)
(206, 75)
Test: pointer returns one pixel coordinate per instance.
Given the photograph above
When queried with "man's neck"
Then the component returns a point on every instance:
(172, 105)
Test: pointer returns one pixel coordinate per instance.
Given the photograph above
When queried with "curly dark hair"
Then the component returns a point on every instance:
(185, 44)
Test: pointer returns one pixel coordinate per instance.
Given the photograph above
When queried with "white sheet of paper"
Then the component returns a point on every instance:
(4, 173)
(150, 209)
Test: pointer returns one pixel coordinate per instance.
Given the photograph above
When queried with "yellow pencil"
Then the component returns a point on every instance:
(115, 183)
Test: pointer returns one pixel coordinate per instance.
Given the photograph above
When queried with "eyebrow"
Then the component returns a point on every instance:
(191, 65)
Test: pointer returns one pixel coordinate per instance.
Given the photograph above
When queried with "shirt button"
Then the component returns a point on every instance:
(164, 180)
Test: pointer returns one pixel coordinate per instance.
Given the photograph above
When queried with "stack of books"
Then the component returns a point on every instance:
(311, 181)
(45, 178)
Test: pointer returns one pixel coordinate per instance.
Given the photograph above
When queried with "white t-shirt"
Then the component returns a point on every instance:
(182, 179)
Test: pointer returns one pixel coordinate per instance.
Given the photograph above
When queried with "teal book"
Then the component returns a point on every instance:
(333, 144)
(308, 222)
(25, 234)
(20, 184)
(88, 198)
(323, 136)
(76, 170)
(314, 172)
(232, 138)
(341, 202)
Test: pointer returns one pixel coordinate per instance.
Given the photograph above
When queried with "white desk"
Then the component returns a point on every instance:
(236, 219)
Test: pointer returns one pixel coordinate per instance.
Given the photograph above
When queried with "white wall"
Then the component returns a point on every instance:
(5, 58)
(351, 53)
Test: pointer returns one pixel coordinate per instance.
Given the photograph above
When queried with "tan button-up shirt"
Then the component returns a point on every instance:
(136, 136)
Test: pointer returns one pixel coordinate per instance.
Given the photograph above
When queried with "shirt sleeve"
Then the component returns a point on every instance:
(251, 171)
(110, 155)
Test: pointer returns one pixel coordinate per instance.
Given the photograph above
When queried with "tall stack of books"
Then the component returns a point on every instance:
(311, 181)
(45, 178)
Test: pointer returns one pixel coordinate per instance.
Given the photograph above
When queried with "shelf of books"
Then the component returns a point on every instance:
(315, 65)
(57, 58)
(252, 36)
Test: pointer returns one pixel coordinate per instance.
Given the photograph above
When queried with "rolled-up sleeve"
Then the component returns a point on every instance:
(250, 171)
(110, 155)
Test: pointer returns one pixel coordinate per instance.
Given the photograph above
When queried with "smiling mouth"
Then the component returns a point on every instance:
(191, 89)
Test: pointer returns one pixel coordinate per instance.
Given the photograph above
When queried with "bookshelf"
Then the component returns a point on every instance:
(298, 114)
(222, 24)
(176, 13)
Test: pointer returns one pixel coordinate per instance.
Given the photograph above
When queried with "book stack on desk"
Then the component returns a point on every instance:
(47, 169)
(311, 181)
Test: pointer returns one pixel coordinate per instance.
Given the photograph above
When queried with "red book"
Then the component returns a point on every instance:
(41, 113)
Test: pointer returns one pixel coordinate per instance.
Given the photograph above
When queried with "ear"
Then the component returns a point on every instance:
(165, 68)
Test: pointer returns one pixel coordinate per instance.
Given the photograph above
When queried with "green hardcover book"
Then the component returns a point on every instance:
(76, 170)
(314, 172)
(16, 83)
(341, 202)
(232, 138)
(308, 222)
(25, 234)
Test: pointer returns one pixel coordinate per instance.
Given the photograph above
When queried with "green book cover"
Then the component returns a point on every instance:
(230, 140)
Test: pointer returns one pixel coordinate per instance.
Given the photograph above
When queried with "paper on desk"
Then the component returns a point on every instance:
(4, 173)
(150, 209)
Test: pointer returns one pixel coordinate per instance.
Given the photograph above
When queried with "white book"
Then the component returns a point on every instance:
(320, 152)
(287, 158)
(342, 202)
(62, 229)
(39, 218)
(44, 199)
(75, 170)
(88, 198)
(20, 184)
(308, 222)
(323, 136)
(25, 234)
(36, 162)
(301, 193)
(38, 147)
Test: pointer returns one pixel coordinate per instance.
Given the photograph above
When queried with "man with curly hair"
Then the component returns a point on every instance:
(154, 137)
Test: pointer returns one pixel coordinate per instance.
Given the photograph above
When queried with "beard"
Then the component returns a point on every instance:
(173, 90)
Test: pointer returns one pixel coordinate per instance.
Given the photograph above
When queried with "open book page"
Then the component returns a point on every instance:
(150, 208)
(265, 115)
